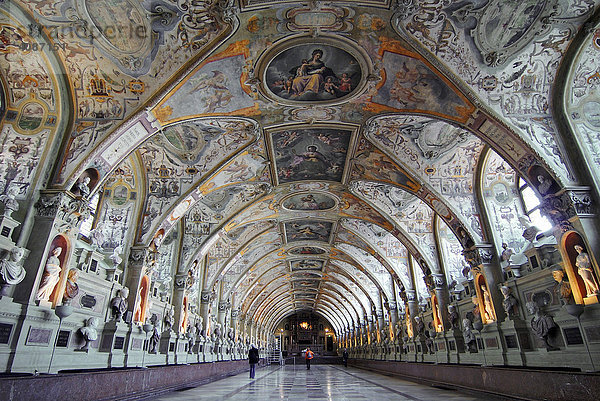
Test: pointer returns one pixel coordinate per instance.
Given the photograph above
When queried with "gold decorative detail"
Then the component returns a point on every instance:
(163, 113)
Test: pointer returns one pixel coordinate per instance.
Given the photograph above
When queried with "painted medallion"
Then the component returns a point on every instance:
(307, 250)
(312, 201)
(313, 72)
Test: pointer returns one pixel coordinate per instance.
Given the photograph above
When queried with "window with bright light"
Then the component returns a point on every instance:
(531, 205)
(86, 225)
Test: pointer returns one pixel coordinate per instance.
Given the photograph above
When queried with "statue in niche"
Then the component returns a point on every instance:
(138, 304)
(119, 304)
(83, 187)
(89, 332)
(469, 336)
(155, 338)
(439, 317)
(157, 241)
(453, 316)
(9, 200)
(544, 184)
(509, 303)
(585, 270)
(169, 320)
(490, 316)
(51, 275)
(419, 325)
(562, 288)
(541, 324)
(11, 271)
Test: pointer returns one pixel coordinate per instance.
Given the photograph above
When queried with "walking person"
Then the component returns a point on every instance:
(253, 359)
(345, 357)
(308, 356)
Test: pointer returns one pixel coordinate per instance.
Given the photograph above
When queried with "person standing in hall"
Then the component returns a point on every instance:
(308, 356)
(253, 359)
(345, 357)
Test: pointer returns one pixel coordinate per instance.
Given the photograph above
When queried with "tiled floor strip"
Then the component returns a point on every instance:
(321, 383)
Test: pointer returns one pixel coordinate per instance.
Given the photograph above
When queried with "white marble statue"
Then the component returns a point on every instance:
(84, 187)
(585, 270)
(89, 332)
(11, 271)
(116, 256)
(51, 275)
(10, 201)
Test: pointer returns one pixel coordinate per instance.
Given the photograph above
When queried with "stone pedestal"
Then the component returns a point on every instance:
(516, 341)
(167, 346)
(456, 345)
(180, 352)
(581, 337)
(114, 340)
(10, 327)
(492, 344)
(7, 226)
(442, 353)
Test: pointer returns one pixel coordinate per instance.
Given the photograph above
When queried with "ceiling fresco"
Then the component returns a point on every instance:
(310, 155)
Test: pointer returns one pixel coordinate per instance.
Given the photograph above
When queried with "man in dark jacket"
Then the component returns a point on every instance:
(345, 357)
(253, 359)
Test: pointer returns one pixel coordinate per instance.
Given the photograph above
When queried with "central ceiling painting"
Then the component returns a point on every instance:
(310, 72)
(307, 264)
(310, 154)
(308, 231)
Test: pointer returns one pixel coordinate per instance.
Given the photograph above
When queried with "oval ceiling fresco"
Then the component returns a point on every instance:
(313, 72)
(309, 201)
(306, 250)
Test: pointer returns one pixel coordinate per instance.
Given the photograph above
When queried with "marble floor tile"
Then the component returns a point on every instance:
(320, 383)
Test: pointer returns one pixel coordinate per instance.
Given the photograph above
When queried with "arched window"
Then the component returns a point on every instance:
(86, 225)
(531, 205)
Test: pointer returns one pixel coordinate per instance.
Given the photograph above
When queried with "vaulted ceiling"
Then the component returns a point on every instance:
(300, 182)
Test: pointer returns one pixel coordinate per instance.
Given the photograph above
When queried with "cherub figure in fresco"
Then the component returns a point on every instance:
(302, 70)
(345, 83)
(288, 138)
(330, 86)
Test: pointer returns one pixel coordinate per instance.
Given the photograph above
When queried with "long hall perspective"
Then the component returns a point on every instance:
(401, 193)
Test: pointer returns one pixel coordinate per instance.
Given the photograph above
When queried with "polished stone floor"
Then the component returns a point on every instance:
(320, 383)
